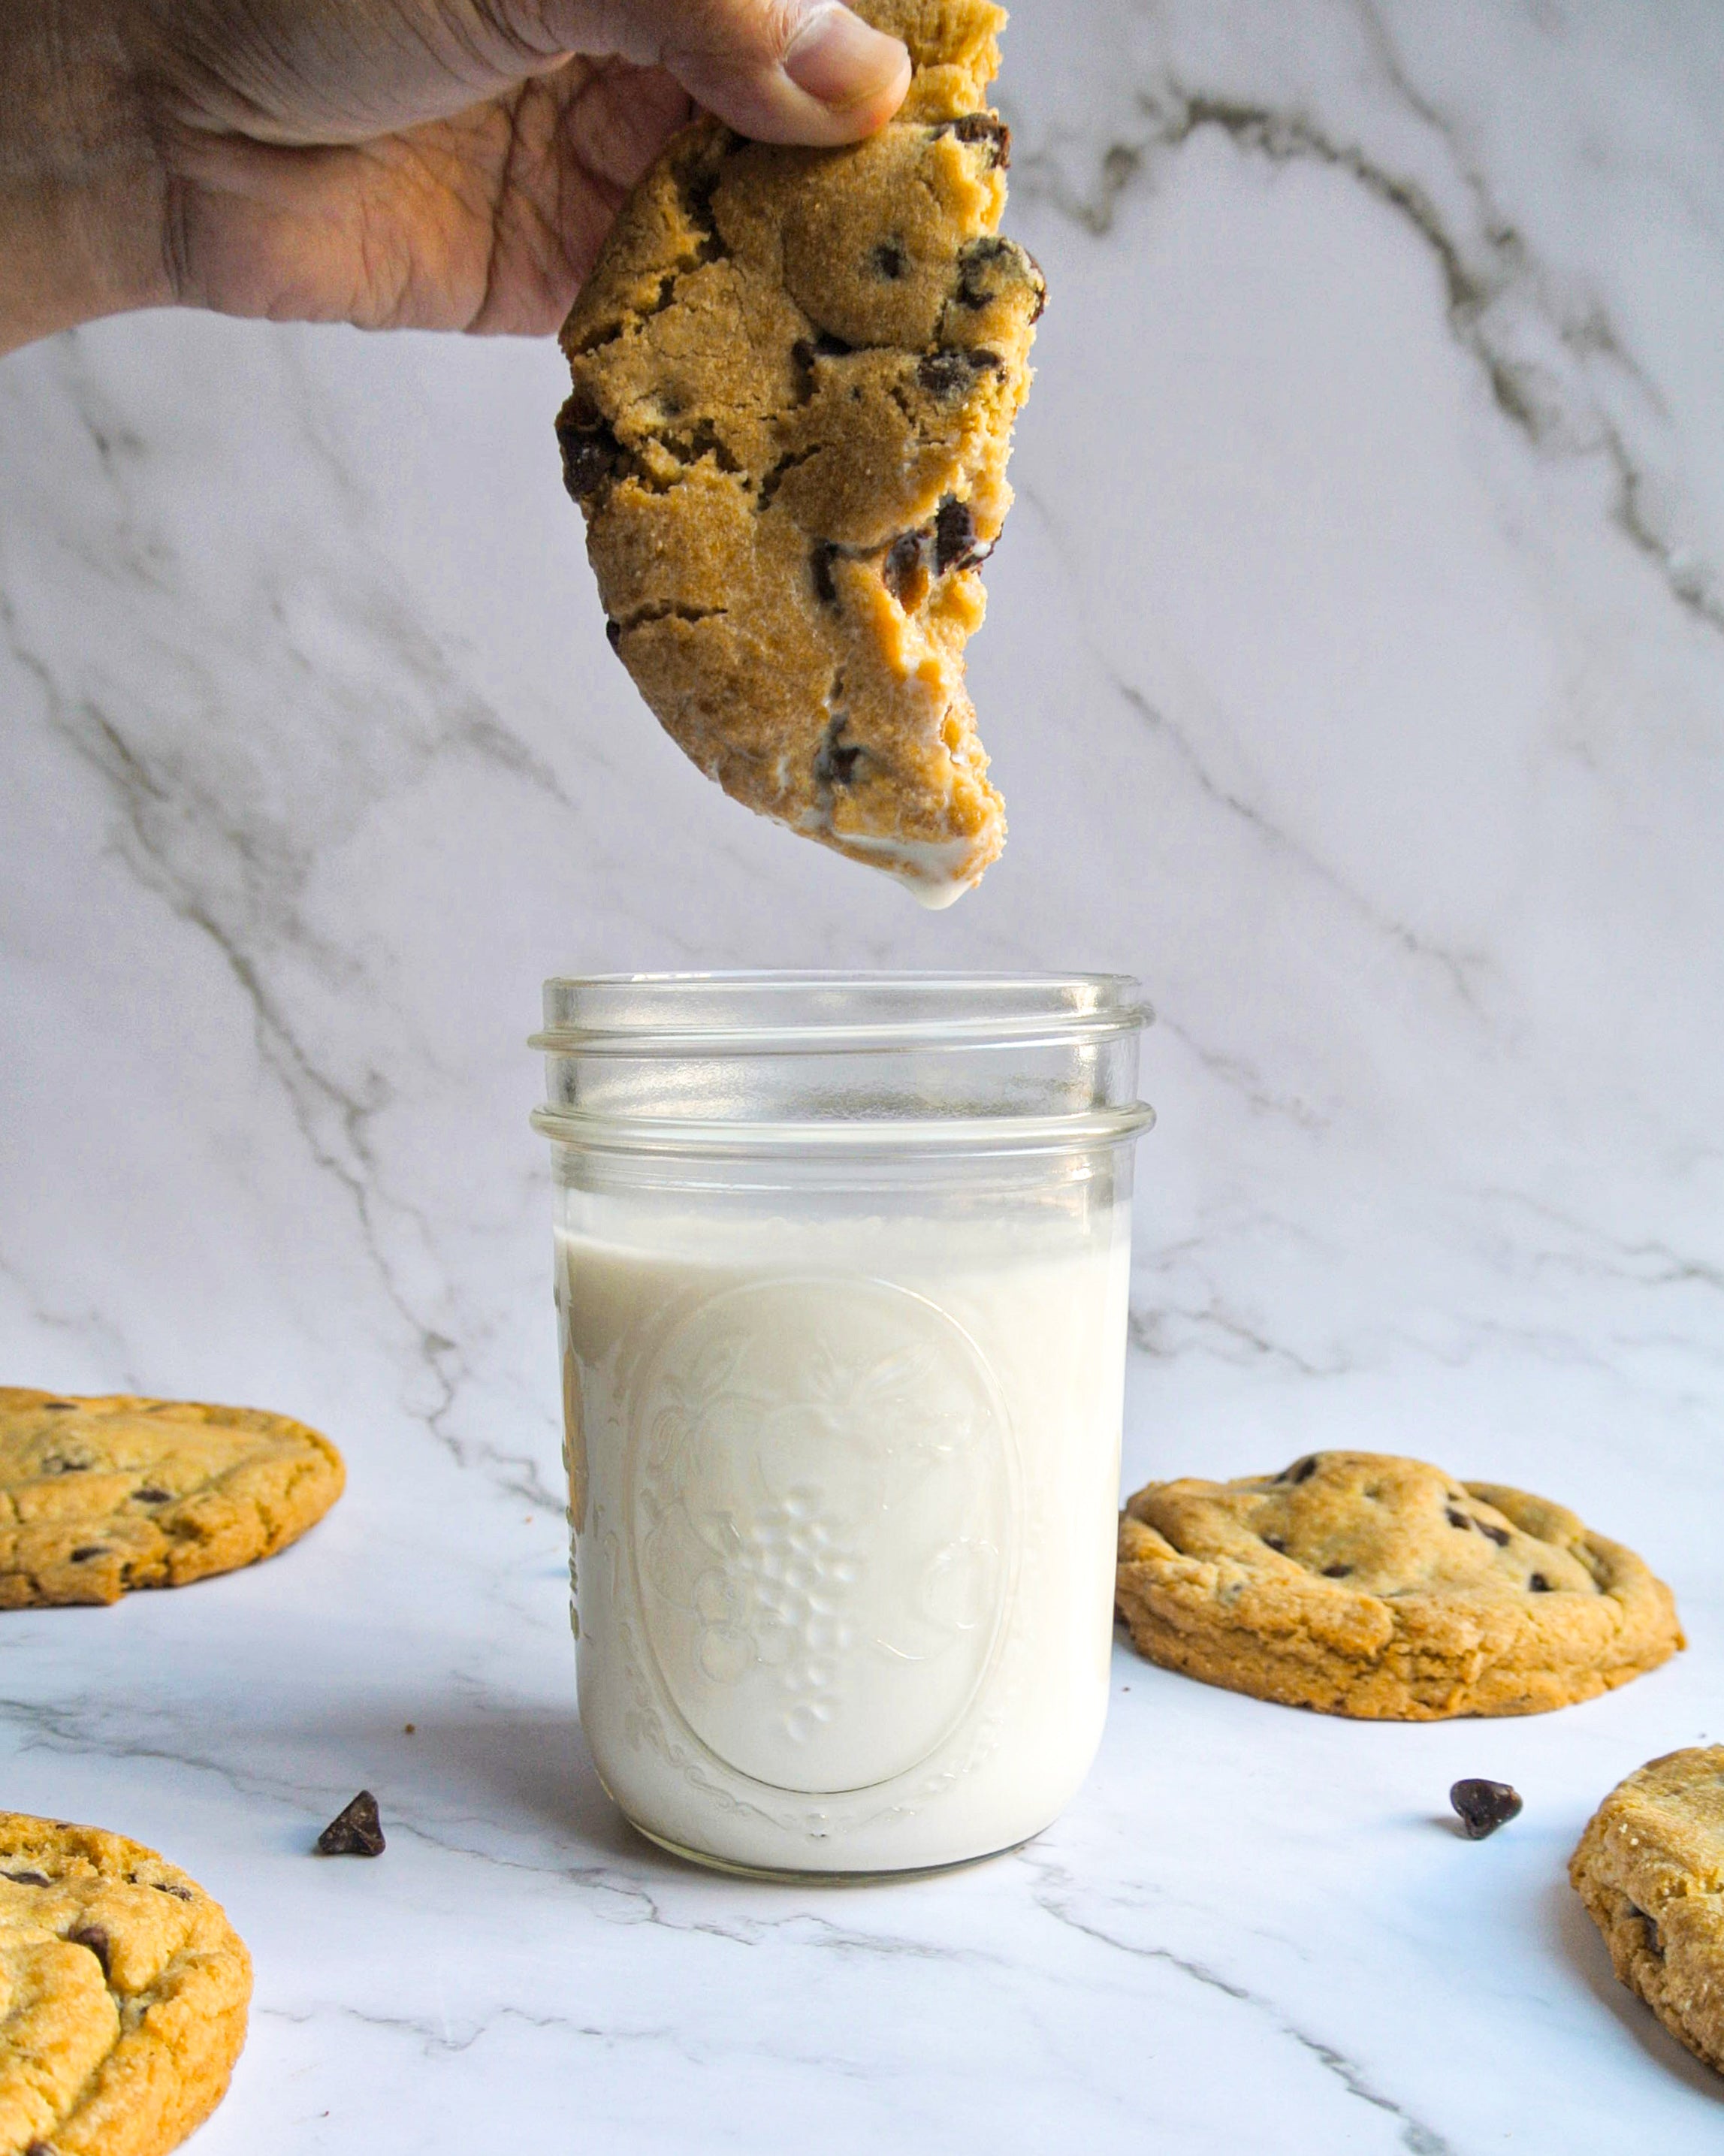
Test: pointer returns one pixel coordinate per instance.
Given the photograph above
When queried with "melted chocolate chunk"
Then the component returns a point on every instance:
(95, 1939)
(1301, 1471)
(1275, 1544)
(888, 260)
(153, 1496)
(1337, 1571)
(59, 1407)
(85, 1551)
(904, 572)
(1484, 1806)
(1499, 1536)
(613, 632)
(179, 1893)
(356, 1830)
(1458, 1519)
(1539, 1584)
(950, 373)
(28, 1878)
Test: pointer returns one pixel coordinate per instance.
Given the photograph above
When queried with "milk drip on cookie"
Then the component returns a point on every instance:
(795, 376)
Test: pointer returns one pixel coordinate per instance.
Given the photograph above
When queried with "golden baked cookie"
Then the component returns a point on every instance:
(1650, 1869)
(795, 376)
(98, 1497)
(1358, 1583)
(123, 1992)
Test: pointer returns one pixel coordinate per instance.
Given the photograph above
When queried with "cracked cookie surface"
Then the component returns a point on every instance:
(1359, 1583)
(98, 1497)
(795, 376)
(125, 1991)
(1650, 1870)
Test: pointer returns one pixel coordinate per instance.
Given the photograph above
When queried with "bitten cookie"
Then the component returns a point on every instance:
(123, 1994)
(795, 376)
(98, 1497)
(1358, 1583)
(1650, 1869)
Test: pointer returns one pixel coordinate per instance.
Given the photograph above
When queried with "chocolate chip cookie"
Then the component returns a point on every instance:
(1650, 1869)
(98, 1497)
(123, 1994)
(795, 376)
(1358, 1583)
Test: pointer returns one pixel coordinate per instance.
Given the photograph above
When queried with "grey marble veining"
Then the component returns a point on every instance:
(1355, 675)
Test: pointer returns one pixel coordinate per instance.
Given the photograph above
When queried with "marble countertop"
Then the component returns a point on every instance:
(1356, 676)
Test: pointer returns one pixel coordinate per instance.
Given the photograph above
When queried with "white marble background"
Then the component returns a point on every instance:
(1355, 676)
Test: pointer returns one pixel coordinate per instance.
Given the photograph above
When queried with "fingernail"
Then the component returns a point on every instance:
(839, 59)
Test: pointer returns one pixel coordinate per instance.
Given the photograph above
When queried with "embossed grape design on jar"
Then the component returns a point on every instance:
(842, 1274)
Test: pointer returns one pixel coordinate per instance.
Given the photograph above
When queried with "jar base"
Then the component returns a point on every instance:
(772, 1876)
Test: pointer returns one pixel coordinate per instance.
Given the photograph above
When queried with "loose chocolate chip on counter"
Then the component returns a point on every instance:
(1484, 1806)
(95, 1939)
(356, 1830)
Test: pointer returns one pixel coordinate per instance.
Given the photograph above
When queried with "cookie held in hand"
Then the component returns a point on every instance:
(1362, 1584)
(98, 1497)
(795, 376)
(123, 1994)
(1648, 1869)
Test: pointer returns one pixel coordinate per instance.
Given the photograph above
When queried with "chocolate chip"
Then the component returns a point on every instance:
(1337, 1571)
(1539, 1584)
(836, 759)
(355, 1831)
(592, 456)
(59, 1465)
(1499, 1536)
(820, 562)
(955, 545)
(889, 260)
(982, 127)
(1275, 1544)
(1458, 1519)
(179, 1893)
(613, 632)
(1654, 1941)
(1484, 1806)
(152, 1495)
(1301, 1471)
(95, 1939)
(85, 1551)
(59, 1407)
(904, 572)
(950, 373)
(27, 1878)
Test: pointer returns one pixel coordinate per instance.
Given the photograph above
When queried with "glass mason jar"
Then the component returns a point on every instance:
(841, 1276)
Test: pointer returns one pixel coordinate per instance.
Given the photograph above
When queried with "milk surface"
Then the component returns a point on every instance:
(843, 1498)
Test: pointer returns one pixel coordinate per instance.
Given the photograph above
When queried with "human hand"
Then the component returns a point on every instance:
(427, 164)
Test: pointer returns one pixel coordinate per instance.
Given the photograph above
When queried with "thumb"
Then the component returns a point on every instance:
(782, 70)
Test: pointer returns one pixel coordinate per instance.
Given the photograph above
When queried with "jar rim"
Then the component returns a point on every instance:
(762, 1012)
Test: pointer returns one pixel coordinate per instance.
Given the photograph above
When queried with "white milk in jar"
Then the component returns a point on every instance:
(843, 1481)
